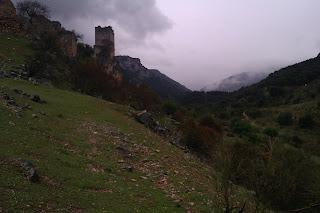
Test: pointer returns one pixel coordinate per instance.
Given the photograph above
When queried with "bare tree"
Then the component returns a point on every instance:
(31, 8)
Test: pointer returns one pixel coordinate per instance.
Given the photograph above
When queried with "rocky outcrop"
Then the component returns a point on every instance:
(134, 72)
(148, 120)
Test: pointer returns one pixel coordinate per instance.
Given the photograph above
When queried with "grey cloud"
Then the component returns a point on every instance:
(138, 18)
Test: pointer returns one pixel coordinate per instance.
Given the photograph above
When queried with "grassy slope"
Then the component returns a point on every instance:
(13, 51)
(74, 149)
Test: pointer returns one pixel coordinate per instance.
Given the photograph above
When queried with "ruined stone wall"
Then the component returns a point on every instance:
(7, 9)
(41, 24)
(68, 43)
(11, 26)
(9, 22)
(67, 39)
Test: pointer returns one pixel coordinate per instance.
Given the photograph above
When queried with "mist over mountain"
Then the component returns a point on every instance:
(236, 82)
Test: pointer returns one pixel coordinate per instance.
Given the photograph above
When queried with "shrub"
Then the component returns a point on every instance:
(241, 127)
(209, 121)
(285, 119)
(200, 139)
(170, 107)
(289, 180)
(271, 132)
(306, 122)
(254, 113)
(296, 141)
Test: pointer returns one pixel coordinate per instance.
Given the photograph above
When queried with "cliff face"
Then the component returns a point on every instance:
(136, 73)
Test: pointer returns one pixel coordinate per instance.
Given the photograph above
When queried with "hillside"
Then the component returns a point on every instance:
(91, 156)
(135, 72)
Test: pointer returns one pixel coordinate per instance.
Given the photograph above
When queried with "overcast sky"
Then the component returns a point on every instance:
(198, 42)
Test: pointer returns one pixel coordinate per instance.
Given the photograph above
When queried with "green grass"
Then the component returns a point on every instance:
(72, 137)
(13, 51)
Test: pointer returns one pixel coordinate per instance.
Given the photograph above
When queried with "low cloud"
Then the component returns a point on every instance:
(136, 18)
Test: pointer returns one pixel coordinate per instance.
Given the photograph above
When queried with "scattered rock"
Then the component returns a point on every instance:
(26, 106)
(37, 99)
(121, 161)
(147, 119)
(20, 92)
(34, 115)
(129, 168)
(26, 95)
(30, 171)
(124, 152)
(5, 97)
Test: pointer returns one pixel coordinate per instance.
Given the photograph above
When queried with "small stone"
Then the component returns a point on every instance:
(34, 115)
(133, 180)
(129, 168)
(18, 91)
(30, 171)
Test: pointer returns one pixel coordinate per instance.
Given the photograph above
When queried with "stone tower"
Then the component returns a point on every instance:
(7, 9)
(104, 48)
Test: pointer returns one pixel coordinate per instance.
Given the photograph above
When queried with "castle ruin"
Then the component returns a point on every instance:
(104, 48)
(12, 24)
(9, 22)
(68, 40)
(7, 9)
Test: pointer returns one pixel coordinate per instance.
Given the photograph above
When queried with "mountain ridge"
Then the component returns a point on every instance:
(235, 82)
(135, 72)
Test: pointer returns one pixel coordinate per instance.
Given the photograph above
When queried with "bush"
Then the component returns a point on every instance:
(254, 113)
(200, 139)
(285, 119)
(306, 122)
(209, 121)
(241, 127)
(288, 180)
(296, 141)
(170, 107)
(271, 132)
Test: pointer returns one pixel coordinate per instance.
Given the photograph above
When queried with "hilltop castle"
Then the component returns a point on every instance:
(104, 48)
(11, 23)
